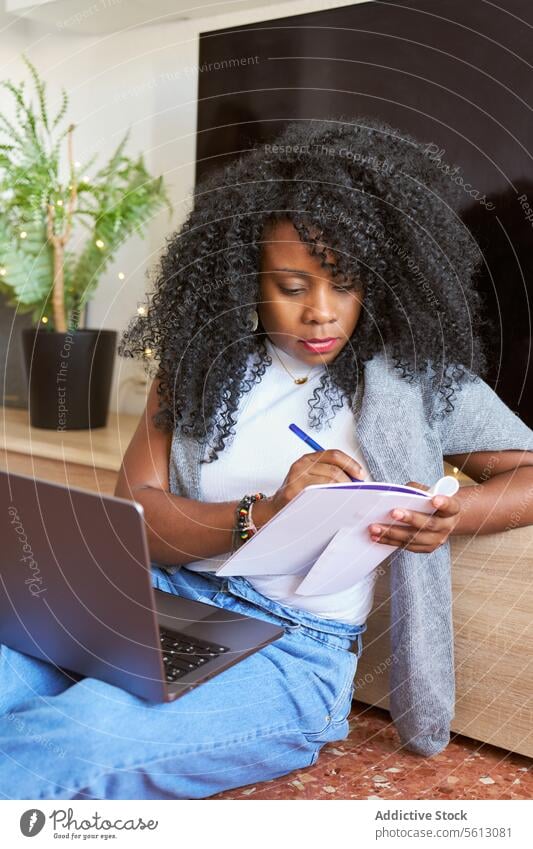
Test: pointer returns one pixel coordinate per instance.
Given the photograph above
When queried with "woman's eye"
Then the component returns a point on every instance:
(299, 291)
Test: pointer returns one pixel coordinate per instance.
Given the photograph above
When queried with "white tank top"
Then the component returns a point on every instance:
(258, 458)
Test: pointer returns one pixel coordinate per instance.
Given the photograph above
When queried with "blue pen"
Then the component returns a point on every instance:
(312, 444)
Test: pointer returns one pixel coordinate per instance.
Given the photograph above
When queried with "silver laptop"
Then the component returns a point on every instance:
(76, 591)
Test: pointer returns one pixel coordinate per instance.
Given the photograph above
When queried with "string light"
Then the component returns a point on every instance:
(455, 470)
(44, 320)
(148, 352)
(77, 165)
(99, 243)
(121, 275)
(59, 203)
(23, 234)
(3, 272)
(141, 310)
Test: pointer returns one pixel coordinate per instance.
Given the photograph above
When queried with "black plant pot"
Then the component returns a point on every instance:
(69, 377)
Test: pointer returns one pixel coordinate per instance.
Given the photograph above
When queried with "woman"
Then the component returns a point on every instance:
(306, 240)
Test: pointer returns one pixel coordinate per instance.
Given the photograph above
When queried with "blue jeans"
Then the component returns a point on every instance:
(262, 718)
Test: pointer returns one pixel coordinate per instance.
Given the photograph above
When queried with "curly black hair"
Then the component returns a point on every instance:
(359, 187)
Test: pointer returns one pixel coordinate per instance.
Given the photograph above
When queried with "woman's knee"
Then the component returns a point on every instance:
(23, 677)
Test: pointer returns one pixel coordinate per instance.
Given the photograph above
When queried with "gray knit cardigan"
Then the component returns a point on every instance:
(404, 433)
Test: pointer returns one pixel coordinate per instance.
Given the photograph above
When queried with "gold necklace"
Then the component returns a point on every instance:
(298, 380)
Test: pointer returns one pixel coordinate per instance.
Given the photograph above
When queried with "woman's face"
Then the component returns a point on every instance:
(300, 300)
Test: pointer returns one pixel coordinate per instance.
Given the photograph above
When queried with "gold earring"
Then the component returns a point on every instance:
(253, 318)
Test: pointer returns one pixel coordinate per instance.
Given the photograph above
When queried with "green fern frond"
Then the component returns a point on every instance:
(62, 110)
(86, 166)
(16, 91)
(129, 215)
(26, 133)
(28, 270)
(61, 137)
(112, 166)
(23, 107)
(40, 87)
(8, 128)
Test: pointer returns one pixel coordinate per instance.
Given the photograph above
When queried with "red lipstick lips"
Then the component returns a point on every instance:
(319, 346)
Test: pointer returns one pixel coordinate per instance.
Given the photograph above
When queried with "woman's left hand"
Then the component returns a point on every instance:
(422, 533)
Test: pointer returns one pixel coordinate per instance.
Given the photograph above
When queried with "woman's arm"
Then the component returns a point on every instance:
(179, 530)
(501, 498)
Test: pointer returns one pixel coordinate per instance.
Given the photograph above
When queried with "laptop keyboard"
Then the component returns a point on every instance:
(182, 654)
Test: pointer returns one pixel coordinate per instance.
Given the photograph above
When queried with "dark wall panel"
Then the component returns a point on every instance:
(455, 74)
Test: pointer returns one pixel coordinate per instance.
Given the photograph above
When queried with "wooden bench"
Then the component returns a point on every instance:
(492, 580)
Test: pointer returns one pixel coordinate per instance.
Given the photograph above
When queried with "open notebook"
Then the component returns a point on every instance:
(322, 534)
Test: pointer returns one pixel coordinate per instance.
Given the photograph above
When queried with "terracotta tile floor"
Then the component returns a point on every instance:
(369, 765)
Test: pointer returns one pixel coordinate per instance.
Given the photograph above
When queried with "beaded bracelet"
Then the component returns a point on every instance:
(245, 526)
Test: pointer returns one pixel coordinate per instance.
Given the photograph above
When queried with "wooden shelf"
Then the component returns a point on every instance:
(89, 459)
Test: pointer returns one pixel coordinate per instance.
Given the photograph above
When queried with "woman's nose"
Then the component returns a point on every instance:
(319, 306)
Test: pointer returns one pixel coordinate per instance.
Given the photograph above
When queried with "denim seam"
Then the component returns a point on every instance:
(341, 697)
(273, 732)
(332, 721)
(325, 640)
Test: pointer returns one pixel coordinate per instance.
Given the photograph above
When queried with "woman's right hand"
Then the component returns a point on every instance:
(331, 466)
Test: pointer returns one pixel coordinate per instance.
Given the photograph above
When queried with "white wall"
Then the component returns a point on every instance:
(141, 79)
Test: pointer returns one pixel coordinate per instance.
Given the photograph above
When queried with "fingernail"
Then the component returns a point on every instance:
(375, 529)
(438, 502)
(398, 514)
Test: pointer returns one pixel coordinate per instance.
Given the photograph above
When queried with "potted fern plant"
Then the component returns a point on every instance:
(48, 267)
